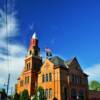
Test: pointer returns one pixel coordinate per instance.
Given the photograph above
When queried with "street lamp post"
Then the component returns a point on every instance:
(38, 94)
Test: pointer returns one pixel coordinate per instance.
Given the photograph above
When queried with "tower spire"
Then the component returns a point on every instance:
(33, 48)
(35, 36)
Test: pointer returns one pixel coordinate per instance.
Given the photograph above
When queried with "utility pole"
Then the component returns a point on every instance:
(6, 8)
(8, 83)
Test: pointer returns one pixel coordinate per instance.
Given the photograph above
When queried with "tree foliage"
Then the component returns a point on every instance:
(39, 94)
(4, 95)
(94, 85)
(16, 96)
(24, 95)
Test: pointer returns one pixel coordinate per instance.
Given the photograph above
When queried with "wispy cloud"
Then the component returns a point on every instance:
(11, 55)
(10, 24)
(31, 27)
(93, 72)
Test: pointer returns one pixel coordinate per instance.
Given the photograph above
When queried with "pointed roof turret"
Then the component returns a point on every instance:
(34, 36)
(34, 41)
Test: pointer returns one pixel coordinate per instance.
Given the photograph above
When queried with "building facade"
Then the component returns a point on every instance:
(60, 79)
(64, 80)
(94, 95)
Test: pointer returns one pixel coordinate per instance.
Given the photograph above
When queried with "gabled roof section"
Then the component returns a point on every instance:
(57, 60)
(75, 61)
(70, 60)
(69, 64)
(47, 64)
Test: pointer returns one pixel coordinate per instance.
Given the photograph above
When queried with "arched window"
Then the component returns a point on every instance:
(81, 95)
(73, 94)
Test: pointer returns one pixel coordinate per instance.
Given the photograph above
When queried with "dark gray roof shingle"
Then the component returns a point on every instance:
(57, 60)
(60, 62)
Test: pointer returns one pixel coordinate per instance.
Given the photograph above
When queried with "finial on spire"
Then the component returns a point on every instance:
(34, 36)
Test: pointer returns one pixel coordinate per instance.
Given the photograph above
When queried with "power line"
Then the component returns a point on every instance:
(6, 21)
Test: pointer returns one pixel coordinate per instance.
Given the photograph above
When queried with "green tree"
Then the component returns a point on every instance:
(94, 85)
(39, 94)
(24, 95)
(4, 95)
(16, 96)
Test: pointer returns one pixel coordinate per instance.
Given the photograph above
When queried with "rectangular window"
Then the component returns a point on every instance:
(43, 78)
(50, 93)
(29, 66)
(50, 77)
(21, 83)
(46, 93)
(72, 76)
(85, 80)
(46, 77)
(75, 79)
(26, 80)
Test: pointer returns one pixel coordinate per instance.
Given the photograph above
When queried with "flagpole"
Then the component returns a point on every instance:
(48, 52)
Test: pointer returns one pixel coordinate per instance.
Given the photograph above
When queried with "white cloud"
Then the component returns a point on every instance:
(16, 50)
(14, 65)
(15, 61)
(10, 24)
(93, 72)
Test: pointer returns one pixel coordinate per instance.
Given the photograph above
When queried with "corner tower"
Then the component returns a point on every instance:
(33, 62)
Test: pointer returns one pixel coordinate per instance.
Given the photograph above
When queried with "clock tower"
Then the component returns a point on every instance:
(33, 62)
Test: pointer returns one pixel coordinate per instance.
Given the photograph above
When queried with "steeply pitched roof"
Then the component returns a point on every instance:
(57, 60)
(61, 63)
(70, 60)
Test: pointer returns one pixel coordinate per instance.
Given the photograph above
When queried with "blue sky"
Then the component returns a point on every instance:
(73, 24)
(69, 27)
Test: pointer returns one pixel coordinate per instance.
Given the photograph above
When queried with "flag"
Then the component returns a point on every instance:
(48, 52)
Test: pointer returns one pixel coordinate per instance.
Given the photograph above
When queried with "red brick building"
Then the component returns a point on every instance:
(60, 79)
(33, 62)
(94, 95)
